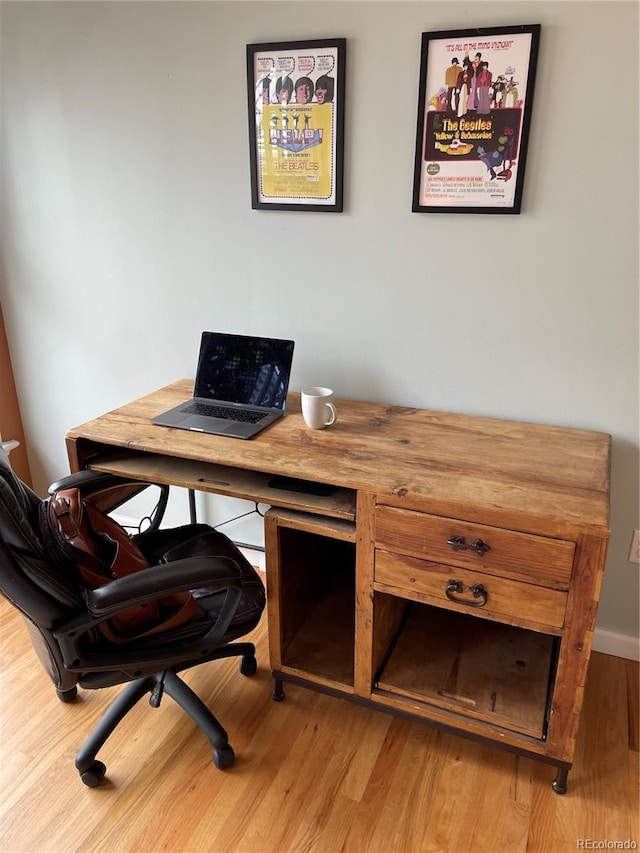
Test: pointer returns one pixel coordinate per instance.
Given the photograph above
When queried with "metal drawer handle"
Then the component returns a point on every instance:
(478, 590)
(458, 544)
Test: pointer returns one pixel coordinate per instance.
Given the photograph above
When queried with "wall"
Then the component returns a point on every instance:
(128, 229)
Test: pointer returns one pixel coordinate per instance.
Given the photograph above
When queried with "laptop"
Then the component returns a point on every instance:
(241, 386)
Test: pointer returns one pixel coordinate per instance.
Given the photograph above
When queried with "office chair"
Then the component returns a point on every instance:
(63, 619)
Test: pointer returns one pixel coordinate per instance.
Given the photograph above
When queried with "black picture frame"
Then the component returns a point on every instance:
(296, 126)
(470, 156)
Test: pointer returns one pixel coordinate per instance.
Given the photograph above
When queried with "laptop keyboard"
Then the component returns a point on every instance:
(230, 414)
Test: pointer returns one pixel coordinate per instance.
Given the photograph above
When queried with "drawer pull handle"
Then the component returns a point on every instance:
(458, 543)
(478, 591)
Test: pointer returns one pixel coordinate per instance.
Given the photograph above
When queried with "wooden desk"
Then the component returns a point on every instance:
(452, 576)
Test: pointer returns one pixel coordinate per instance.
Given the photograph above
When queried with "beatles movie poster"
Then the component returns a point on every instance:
(475, 102)
(296, 91)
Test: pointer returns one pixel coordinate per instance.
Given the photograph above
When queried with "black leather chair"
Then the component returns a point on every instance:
(63, 618)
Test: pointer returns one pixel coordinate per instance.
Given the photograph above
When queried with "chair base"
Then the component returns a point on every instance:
(92, 771)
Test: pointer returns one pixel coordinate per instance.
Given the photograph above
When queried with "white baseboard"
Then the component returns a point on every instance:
(619, 645)
(255, 557)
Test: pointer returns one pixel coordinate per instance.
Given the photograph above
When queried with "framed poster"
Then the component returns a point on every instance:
(474, 112)
(296, 124)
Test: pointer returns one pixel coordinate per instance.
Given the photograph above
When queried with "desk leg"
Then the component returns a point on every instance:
(192, 507)
(365, 539)
(278, 691)
(559, 784)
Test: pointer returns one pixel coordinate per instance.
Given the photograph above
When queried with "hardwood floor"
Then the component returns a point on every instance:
(313, 773)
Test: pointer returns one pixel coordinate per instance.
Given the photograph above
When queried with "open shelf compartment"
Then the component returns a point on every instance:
(316, 577)
(476, 667)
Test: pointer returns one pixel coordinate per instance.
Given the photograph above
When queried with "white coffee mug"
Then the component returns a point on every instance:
(317, 409)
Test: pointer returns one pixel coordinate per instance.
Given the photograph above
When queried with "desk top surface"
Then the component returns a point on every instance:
(499, 471)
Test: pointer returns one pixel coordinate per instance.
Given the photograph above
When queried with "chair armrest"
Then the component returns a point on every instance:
(219, 573)
(89, 481)
(164, 579)
(109, 491)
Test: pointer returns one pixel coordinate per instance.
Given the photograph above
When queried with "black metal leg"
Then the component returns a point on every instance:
(192, 507)
(278, 692)
(559, 784)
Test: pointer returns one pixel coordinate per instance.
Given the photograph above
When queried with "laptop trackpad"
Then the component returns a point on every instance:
(205, 424)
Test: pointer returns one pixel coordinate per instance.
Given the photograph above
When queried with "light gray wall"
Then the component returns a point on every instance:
(127, 226)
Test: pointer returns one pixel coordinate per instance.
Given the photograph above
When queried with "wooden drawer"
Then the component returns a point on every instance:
(502, 598)
(521, 556)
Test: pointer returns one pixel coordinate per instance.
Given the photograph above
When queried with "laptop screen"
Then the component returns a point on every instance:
(243, 369)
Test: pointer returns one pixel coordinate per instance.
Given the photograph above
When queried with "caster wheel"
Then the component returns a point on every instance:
(94, 775)
(224, 757)
(67, 695)
(248, 665)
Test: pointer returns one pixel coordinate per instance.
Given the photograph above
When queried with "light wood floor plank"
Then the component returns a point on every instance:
(313, 773)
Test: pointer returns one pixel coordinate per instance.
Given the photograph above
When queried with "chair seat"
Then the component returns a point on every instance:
(181, 543)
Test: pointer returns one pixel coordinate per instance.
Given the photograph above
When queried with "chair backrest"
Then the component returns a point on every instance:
(28, 580)
(27, 577)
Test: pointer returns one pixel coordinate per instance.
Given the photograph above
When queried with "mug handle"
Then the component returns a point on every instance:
(334, 414)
